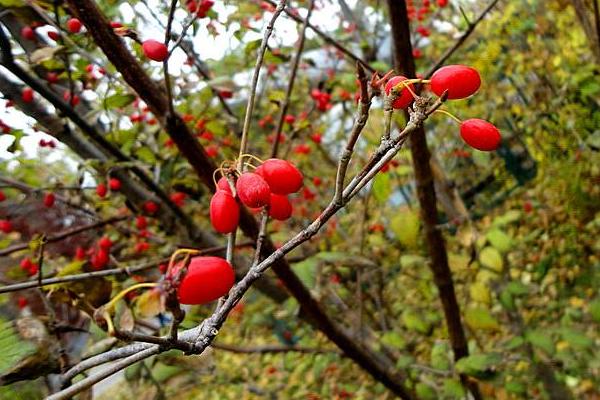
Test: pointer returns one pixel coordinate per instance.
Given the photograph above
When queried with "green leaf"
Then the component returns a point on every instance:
(540, 339)
(453, 389)
(480, 292)
(382, 188)
(413, 321)
(517, 288)
(14, 349)
(439, 356)
(576, 339)
(119, 100)
(393, 339)
(481, 319)
(306, 271)
(411, 260)
(515, 387)
(508, 218)
(500, 240)
(425, 391)
(491, 258)
(481, 366)
(146, 155)
(405, 224)
(595, 310)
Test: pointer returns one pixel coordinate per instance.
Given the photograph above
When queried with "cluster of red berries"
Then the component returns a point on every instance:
(100, 256)
(268, 186)
(73, 25)
(459, 82)
(322, 99)
(29, 266)
(201, 8)
(421, 12)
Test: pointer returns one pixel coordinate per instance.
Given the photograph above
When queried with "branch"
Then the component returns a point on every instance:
(470, 28)
(254, 84)
(327, 38)
(268, 349)
(65, 234)
(405, 63)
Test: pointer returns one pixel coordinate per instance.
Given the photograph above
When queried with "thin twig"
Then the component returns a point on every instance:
(65, 234)
(291, 80)
(252, 97)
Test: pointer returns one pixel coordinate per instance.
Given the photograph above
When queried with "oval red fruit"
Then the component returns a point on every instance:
(253, 190)
(141, 222)
(49, 199)
(280, 207)
(206, 280)
(282, 176)
(480, 134)
(155, 50)
(114, 184)
(224, 212)
(101, 190)
(2, 196)
(223, 184)
(460, 81)
(74, 25)
(405, 98)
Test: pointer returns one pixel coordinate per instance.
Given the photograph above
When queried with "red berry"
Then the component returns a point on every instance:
(155, 50)
(290, 119)
(101, 190)
(142, 247)
(442, 3)
(73, 100)
(281, 175)
(207, 279)
(26, 264)
(28, 33)
(33, 270)
(21, 302)
(74, 25)
(178, 198)
(79, 253)
(405, 98)
(460, 81)
(2, 196)
(5, 226)
(480, 134)
(150, 207)
(105, 243)
(114, 184)
(100, 259)
(253, 190)
(27, 95)
(140, 222)
(527, 207)
(52, 77)
(224, 212)
(115, 24)
(223, 184)
(280, 207)
(49, 199)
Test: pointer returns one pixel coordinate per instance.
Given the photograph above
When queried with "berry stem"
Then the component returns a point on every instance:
(454, 117)
(176, 253)
(123, 292)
